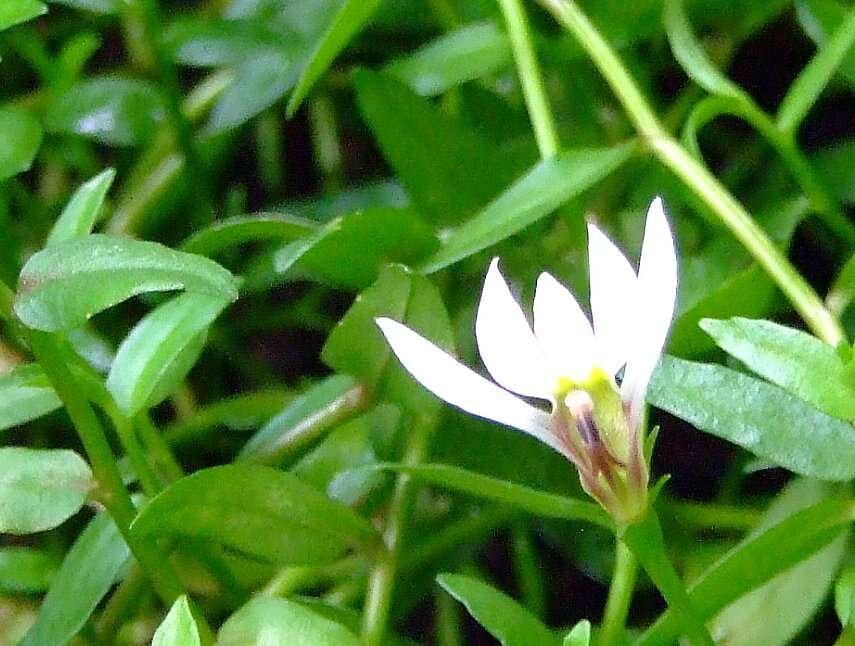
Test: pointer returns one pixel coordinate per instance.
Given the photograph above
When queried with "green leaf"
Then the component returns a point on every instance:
(319, 408)
(259, 82)
(255, 510)
(349, 251)
(22, 136)
(14, 12)
(100, 552)
(539, 503)
(820, 19)
(113, 110)
(80, 214)
(792, 359)
(356, 346)
(758, 416)
(580, 635)
(464, 54)
(61, 287)
(271, 620)
(160, 350)
(535, 195)
(836, 164)
(811, 81)
(349, 20)
(691, 56)
(458, 173)
(844, 596)
(755, 560)
(504, 618)
(237, 230)
(25, 395)
(104, 7)
(40, 488)
(792, 597)
(178, 628)
(210, 43)
(26, 570)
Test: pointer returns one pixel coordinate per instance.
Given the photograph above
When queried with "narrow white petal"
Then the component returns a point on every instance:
(657, 280)
(456, 384)
(613, 299)
(506, 342)
(562, 329)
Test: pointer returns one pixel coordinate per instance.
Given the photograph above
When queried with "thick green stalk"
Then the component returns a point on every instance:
(530, 77)
(620, 595)
(381, 581)
(111, 491)
(695, 175)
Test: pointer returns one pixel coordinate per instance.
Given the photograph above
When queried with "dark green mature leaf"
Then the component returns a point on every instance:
(25, 394)
(100, 552)
(258, 511)
(114, 110)
(548, 185)
(451, 177)
(80, 214)
(357, 347)
(793, 359)
(469, 52)
(349, 20)
(758, 416)
(207, 43)
(837, 165)
(14, 12)
(319, 408)
(178, 628)
(161, 349)
(40, 488)
(281, 621)
(792, 597)
(105, 7)
(22, 136)
(349, 251)
(230, 232)
(62, 286)
(539, 503)
(504, 618)
(24, 569)
(755, 560)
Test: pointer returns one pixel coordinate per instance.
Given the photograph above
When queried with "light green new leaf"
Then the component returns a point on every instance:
(40, 488)
(844, 596)
(794, 360)
(62, 286)
(178, 628)
(22, 136)
(272, 620)
(535, 195)
(100, 552)
(467, 53)
(14, 12)
(820, 19)
(348, 21)
(160, 350)
(25, 569)
(580, 635)
(505, 619)
(258, 511)
(691, 56)
(80, 214)
(539, 503)
(25, 394)
(758, 416)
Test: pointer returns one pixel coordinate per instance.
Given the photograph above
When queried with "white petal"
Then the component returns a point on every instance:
(562, 329)
(505, 340)
(657, 281)
(453, 382)
(613, 300)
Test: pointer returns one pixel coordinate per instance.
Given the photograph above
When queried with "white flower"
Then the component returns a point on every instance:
(564, 360)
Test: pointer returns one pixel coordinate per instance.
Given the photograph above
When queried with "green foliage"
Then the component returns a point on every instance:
(178, 627)
(25, 394)
(22, 140)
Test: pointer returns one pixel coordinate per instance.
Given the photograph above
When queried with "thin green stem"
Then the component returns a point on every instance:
(381, 581)
(7, 297)
(527, 572)
(620, 595)
(158, 448)
(531, 78)
(695, 175)
(112, 492)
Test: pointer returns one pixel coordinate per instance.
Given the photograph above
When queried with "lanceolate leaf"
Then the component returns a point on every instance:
(22, 136)
(25, 394)
(64, 285)
(758, 416)
(80, 214)
(178, 628)
(248, 228)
